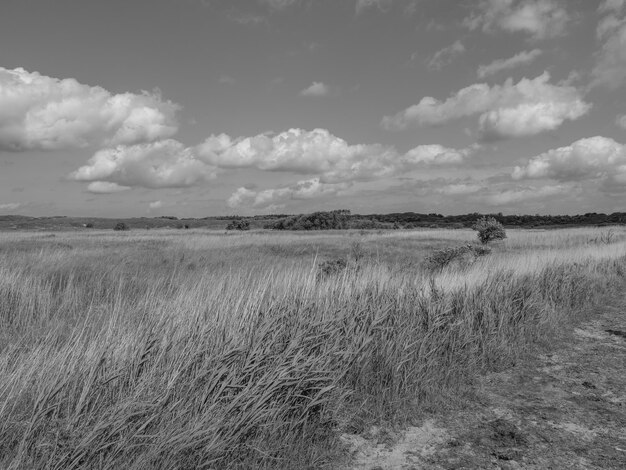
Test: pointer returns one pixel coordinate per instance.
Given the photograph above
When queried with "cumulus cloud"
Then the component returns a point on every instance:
(162, 164)
(306, 189)
(522, 58)
(540, 19)
(528, 107)
(594, 158)
(320, 153)
(324, 158)
(610, 68)
(155, 205)
(315, 152)
(434, 155)
(38, 112)
(445, 56)
(316, 89)
(621, 121)
(104, 187)
(332, 163)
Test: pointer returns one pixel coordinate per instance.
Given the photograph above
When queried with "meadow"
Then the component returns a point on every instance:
(203, 349)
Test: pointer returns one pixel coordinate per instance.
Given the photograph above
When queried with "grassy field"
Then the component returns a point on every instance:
(199, 349)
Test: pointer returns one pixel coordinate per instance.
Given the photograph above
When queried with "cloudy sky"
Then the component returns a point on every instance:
(215, 107)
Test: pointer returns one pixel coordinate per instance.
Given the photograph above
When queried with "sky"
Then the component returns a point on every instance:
(199, 108)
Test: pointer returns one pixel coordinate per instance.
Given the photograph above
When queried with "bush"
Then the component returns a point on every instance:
(489, 229)
(240, 224)
(333, 220)
(89, 225)
(463, 255)
(331, 267)
(120, 226)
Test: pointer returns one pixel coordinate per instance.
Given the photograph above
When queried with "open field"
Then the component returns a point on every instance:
(199, 349)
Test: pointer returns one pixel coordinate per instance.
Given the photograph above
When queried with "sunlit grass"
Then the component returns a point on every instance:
(184, 349)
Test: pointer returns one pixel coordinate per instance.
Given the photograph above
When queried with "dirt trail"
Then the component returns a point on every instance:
(561, 410)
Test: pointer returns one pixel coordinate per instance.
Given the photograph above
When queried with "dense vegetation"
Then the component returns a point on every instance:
(333, 220)
(340, 219)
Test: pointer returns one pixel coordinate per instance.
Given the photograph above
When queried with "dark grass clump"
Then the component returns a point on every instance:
(331, 267)
(462, 255)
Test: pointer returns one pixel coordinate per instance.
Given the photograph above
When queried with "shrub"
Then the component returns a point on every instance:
(489, 229)
(120, 226)
(89, 225)
(463, 255)
(331, 267)
(357, 251)
(240, 224)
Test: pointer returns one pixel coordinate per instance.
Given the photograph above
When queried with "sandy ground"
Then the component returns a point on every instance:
(565, 409)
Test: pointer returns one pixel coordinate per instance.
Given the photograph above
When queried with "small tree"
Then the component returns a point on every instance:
(489, 229)
(121, 226)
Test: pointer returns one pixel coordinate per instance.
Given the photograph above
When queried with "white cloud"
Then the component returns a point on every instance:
(540, 19)
(445, 56)
(434, 155)
(610, 68)
(517, 195)
(162, 164)
(594, 158)
(278, 4)
(306, 189)
(526, 108)
(316, 89)
(155, 205)
(104, 187)
(9, 206)
(327, 159)
(315, 152)
(621, 121)
(522, 58)
(615, 6)
(322, 154)
(45, 113)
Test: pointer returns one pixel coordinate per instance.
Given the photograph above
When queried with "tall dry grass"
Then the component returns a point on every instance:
(173, 350)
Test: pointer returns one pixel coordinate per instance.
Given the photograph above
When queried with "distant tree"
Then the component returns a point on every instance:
(89, 225)
(333, 220)
(489, 229)
(121, 226)
(240, 224)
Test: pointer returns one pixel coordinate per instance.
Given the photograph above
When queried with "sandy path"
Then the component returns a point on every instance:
(561, 410)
